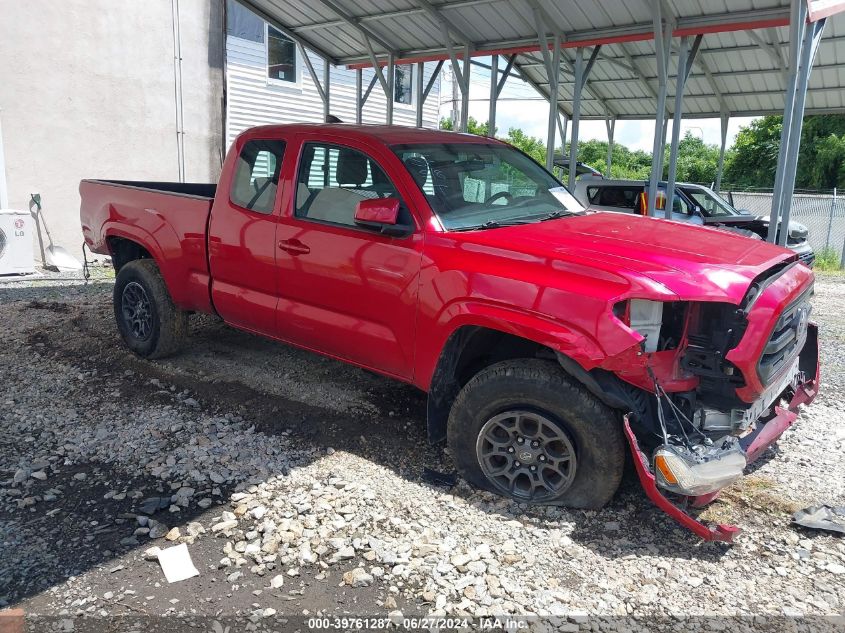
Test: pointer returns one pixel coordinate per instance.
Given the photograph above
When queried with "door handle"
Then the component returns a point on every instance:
(294, 247)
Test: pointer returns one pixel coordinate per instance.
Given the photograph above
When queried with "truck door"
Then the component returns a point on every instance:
(242, 235)
(347, 290)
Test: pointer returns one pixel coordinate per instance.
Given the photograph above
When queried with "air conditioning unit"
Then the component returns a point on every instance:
(16, 255)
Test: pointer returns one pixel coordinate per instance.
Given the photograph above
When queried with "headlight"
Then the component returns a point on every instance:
(682, 471)
(644, 317)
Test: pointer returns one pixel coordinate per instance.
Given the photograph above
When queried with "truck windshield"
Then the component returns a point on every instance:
(711, 203)
(479, 186)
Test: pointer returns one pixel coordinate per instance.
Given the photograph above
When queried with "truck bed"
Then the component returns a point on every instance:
(192, 189)
(169, 218)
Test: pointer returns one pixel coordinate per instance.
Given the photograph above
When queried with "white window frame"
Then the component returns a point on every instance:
(399, 104)
(297, 66)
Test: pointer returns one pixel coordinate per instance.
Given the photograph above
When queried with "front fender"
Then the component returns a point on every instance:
(554, 334)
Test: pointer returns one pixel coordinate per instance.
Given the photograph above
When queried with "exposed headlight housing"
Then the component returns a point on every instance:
(688, 473)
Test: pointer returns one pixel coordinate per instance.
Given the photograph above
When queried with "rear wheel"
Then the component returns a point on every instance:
(526, 430)
(150, 324)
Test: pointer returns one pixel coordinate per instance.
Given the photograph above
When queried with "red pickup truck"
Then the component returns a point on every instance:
(547, 338)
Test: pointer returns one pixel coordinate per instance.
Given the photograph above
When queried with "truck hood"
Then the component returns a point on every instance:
(692, 262)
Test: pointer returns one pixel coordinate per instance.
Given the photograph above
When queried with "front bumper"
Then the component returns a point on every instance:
(753, 444)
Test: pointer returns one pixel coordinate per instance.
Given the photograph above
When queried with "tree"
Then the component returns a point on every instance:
(754, 157)
(532, 146)
(473, 126)
(697, 161)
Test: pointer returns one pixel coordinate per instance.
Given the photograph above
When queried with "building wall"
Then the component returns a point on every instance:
(87, 90)
(253, 99)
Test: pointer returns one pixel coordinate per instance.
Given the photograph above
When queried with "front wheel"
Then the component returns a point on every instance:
(150, 324)
(526, 430)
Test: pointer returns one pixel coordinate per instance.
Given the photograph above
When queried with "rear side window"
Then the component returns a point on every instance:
(619, 197)
(256, 179)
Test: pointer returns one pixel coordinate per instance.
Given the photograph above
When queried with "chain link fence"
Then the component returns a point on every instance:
(822, 213)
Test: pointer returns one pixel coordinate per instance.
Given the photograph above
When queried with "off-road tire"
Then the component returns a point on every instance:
(541, 386)
(169, 324)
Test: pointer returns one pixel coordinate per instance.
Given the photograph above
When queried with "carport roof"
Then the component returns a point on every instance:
(740, 68)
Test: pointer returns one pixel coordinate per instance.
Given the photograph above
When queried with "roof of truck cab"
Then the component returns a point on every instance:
(387, 134)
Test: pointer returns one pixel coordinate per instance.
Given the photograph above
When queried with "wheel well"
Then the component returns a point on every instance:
(469, 350)
(124, 251)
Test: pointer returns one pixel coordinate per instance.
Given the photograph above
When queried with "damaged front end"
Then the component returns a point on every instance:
(722, 383)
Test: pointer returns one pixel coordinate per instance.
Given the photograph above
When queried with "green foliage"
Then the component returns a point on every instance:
(821, 159)
(697, 161)
(534, 147)
(473, 126)
(827, 260)
(751, 162)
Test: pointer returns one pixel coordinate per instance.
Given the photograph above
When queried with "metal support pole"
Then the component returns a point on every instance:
(554, 79)
(178, 92)
(465, 90)
(812, 37)
(724, 119)
(494, 96)
(359, 103)
(576, 115)
(4, 188)
(420, 94)
(830, 219)
(610, 124)
(391, 83)
(327, 81)
(662, 41)
(677, 113)
(796, 25)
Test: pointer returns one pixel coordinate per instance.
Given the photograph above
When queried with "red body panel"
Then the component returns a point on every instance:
(172, 228)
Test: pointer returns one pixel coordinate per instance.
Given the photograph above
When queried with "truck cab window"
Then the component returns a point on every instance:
(257, 175)
(332, 180)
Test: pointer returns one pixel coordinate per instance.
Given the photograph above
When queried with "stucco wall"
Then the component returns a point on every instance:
(87, 91)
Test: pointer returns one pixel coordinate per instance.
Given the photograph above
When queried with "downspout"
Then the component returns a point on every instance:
(4, 189)
(177, 90)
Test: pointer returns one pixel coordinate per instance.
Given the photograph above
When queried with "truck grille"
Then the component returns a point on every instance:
(808, 258)
(787, 338)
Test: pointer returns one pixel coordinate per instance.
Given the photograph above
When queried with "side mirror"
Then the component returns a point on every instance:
(381, 214)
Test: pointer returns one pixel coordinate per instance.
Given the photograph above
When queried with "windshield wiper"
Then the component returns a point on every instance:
(554, 215)
(493, 224)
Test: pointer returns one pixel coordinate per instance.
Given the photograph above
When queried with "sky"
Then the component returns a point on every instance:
(520, 106)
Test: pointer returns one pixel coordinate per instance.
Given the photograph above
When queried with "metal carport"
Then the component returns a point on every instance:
(614, 60)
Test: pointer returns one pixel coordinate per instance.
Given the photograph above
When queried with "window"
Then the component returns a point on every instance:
(480, 185)
(257, 175)
(679, 205)
(711, 203)
(403, 84)
(618, 197)
(332, 180)
(281, 56)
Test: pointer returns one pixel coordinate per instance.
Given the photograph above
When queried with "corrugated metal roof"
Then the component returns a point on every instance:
(746, 72)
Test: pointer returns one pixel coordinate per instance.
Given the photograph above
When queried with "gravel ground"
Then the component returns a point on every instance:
(297, 484)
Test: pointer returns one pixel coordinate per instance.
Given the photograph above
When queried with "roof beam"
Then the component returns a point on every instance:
(730, 21)
(435, 14)
(768, 47)
(398, 13)
(355, 22)
(712, 83)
